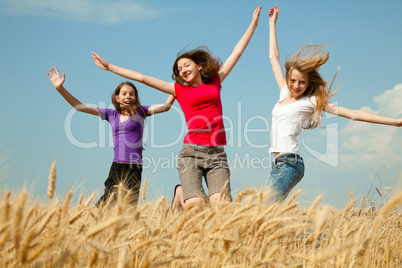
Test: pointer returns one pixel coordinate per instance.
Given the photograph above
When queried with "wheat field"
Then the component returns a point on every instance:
(245, 233)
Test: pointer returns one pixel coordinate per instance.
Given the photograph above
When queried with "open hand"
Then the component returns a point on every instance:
(100, 62)
(55, 78)
(273, 14)
(256, 15)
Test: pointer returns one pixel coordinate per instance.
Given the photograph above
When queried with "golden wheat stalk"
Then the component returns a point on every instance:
(28, 218)
(348, 207)
(289, 207)
(127, 198)
(144, 191)
(5, 238)
(42, 225)
(6, 210)
(67, 202)
(74, 218)
(61, 261)
(80, 199)
(98, 246)
(242, 194)
(313, 207)
(52, 181)
(25, 245)
(122, 258)
(331, 252)
(38, 250)
(242, 234)
(18, 218)
(93, 258)
(293, 197)
(394, 201)
(86, 204)
(107, 224)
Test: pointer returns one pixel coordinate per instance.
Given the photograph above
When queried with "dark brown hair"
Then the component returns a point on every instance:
(203, 57)
(133, 109)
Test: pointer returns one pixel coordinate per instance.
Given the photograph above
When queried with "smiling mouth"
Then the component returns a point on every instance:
(186, 75)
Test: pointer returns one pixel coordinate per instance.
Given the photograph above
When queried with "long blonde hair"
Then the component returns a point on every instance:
(309, 60)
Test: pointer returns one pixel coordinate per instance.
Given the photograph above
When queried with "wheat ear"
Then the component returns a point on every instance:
(242, 194)
(52, 181)
(144, 191)
(6, 210)
(86, 204)
(17, 219)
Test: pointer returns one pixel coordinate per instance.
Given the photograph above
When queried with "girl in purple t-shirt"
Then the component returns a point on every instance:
(127, 123)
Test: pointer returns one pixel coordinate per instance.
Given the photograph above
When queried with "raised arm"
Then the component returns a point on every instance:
(160, 85)
(273, 48)
(360, 115)
(231, 61)
(58, 82)
(161, 108)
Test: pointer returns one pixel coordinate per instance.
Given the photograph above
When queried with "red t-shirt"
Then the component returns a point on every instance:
(202, 109)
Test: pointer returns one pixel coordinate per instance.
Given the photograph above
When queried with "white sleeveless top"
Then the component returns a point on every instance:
(288, 120)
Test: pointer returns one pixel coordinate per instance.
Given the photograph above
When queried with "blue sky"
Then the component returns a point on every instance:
(39, 127)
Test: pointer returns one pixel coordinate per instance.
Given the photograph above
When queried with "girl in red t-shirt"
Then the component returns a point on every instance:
(198, 78)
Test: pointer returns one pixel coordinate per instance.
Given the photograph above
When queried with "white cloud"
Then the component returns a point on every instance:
(389, 102)
(364, 149)
(101, 11)
(367, 143)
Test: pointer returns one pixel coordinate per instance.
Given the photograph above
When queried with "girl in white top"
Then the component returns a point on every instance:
(304, 96)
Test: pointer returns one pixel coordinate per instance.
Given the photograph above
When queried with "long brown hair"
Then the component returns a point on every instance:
(137, 104)
(309, 60)
(201, 56)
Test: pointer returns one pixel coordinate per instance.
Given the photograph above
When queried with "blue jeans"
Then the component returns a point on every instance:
(287, 171)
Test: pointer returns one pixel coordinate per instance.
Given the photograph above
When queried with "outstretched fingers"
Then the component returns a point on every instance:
(56, 72)
(52, 73)
(256, 14)
(95, 56)
(55, 78)
(99, 61)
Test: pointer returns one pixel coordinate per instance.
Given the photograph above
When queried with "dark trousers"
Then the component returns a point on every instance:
(129, 176)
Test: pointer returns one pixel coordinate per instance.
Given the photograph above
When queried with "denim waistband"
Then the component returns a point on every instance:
(283, 157)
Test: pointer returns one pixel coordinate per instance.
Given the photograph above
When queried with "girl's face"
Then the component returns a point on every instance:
(126, 97)
(298, 83)
(189, 71)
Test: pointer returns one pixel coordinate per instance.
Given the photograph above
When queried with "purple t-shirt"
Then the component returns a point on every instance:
(127, 135)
